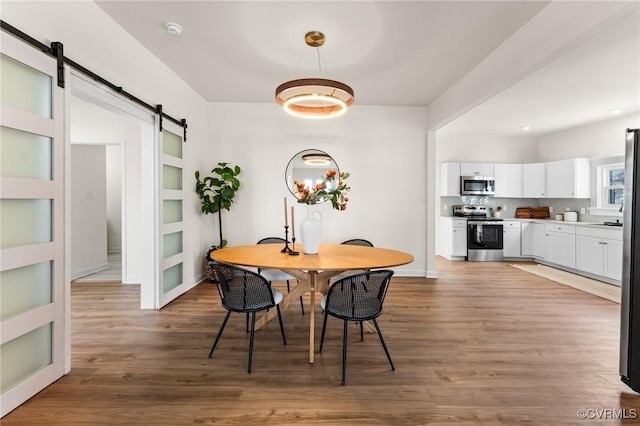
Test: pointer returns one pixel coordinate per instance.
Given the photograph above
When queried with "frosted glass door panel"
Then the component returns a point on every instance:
(25, 222)
(24, 355)
(172, 244)
(25, 88)
(23, 289)
(172, 177)
(172, 211)
(24, 154)
(172, 144)
(172, 277)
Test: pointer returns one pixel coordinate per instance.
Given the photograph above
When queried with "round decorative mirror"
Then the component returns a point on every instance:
(309, 167)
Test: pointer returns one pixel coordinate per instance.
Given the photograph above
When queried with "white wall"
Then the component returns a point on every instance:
(88, 210)
(383, 148)
(114, 198)
(595, 140)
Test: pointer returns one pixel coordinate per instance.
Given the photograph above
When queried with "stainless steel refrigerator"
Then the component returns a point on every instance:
(630, 303)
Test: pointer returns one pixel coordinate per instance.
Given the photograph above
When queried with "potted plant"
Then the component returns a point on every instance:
(217, 192)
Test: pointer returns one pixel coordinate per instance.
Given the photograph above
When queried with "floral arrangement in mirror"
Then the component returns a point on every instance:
(325, 190)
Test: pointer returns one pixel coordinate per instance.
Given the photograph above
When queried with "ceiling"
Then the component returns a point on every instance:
(393, 53)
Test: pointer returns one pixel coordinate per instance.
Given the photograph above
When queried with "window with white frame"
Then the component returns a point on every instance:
(611, 184)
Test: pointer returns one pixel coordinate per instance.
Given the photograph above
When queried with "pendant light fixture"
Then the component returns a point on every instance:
(314, 97)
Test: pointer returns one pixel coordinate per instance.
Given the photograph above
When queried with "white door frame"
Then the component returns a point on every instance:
(91, 92)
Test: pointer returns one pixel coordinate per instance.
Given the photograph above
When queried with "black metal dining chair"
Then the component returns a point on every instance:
(357, 298)
(247, 292)
(275, 274)
(352, 242)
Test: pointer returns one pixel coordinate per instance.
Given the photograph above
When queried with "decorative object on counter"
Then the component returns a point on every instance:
(559, 217)
(571, 216)
(532, 212)
(497, 212)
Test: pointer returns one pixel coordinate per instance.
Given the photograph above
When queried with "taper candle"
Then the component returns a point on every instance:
(285, 212)
(293, 224)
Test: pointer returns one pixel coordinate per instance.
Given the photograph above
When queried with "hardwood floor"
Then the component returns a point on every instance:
(484, 344)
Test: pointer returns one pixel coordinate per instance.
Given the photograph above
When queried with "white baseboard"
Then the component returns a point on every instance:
(89, 271)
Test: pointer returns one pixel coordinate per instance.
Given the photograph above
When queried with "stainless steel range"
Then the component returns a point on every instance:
(484, 234)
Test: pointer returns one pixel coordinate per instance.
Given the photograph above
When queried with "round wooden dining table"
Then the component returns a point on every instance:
(312, 271)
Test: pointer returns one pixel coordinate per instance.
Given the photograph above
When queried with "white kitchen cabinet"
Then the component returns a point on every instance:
(526, 239)
(476, 169)
(450, 179)
(534, 180)
(568, 179)
(560, 247)
(508, 180)
(599, 251)
(452, 237)
(539, 241)
(511, 238)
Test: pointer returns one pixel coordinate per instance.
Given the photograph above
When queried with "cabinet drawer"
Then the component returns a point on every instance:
(511, 224)
(563, 229)
(601, 232)
(459, 222)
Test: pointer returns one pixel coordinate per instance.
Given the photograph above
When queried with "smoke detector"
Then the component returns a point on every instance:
(173, 28)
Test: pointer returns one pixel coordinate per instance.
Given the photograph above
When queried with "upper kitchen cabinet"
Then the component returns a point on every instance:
(534, 180)
(450, 179)
(476, 169)
(508, 179)
(568, 179)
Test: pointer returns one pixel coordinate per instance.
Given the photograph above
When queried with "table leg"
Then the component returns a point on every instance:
(313, 275)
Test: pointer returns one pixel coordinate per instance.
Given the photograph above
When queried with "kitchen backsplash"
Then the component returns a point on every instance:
(559, 205)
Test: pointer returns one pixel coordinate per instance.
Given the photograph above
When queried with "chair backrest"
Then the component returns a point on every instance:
(359, 296)
(243, 290)
(271, 240)
(358, 242)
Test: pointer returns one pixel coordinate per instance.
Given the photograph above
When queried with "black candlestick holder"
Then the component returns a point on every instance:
(286, 248)
(293, 251)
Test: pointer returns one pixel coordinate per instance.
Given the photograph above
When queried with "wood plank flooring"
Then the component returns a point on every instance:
(484, 344)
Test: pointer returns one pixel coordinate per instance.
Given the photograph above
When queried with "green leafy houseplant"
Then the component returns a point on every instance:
(217, 192)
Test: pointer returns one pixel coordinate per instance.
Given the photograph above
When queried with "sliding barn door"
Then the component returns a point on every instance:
(32, 308)
(172, 258)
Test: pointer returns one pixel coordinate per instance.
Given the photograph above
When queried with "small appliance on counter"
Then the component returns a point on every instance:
(532, 212)
(571, 216)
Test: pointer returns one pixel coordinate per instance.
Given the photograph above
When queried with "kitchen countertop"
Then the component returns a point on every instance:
(559, 222)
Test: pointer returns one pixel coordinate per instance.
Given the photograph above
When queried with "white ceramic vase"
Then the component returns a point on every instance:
(311, 229)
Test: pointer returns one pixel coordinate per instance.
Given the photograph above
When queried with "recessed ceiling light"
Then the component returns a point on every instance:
(525, 128)
(615, 111)
(173, 28)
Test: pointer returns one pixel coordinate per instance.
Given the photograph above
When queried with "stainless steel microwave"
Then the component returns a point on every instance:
(477, 185)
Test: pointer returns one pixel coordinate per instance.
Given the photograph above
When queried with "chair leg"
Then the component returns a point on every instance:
(361, 332)
(344, 351)
(324, 327)
(284, 339)
(224, 322)
(253, 326)
(375, 322)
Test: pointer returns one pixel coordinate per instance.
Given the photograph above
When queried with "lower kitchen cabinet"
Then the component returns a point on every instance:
(599, 252)
(512, 238)
(560, 244)
(453, 237)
